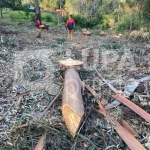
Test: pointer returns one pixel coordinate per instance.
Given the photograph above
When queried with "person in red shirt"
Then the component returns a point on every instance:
(70, 24)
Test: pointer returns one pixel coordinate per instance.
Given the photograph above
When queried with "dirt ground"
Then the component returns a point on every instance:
(30, 79)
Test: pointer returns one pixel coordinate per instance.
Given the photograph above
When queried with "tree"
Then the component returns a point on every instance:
(12, 4)
(37, 11)
(28, 1)
(49, 4)
(72, 6)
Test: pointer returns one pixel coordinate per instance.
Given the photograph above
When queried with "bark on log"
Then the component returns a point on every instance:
(72, 107)
(72, 103)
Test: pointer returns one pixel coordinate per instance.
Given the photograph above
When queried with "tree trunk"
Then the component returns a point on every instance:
(1, 9)
(37, 11)
(1, 13)
(60, 3)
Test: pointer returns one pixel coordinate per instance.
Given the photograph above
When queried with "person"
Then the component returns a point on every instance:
(70, 24)
(38, 22)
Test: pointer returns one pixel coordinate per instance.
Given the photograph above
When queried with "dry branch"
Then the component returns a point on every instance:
(41, 142)
(49, 105)
(128, 138)
(91, 90)
(124, 123)
(133, 106)
(128, 127)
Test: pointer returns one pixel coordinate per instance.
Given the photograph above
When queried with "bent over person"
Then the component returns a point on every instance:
(70, 24)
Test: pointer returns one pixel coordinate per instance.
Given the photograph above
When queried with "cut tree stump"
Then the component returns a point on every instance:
(102, 33)
(43, 26)
(87, 33)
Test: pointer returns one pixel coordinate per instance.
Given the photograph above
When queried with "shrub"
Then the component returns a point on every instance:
(49, 17)
(92, 22)
(80, 21)
(64, 18)
(15, 15)
(126, 23)
(32, 17)
(25, 8)
(95, 31)
(104, 24)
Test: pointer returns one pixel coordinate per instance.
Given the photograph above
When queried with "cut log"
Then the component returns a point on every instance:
(87, 33)
(72, 103)
(43, 26)
(102, 33)
(84, 30)
(70, 63)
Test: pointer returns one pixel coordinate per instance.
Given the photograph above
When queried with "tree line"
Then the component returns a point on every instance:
(127, 14)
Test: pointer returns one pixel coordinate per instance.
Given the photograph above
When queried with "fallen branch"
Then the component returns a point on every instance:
(49, 105)
(129, 128)
(124, 123)
(110, 86)
(133, 106)
(127, 92)
(91, 90)
(21, 95)
(41, 142)
(43, 113)
(128, 138)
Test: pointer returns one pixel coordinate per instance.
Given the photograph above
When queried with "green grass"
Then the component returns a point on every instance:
(17, 17)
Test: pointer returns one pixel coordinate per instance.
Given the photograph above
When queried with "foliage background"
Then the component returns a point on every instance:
(120, 15)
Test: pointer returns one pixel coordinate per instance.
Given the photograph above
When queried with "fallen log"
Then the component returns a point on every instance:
(124, 123)
(128, 138)
(72, 103)
(39, 34)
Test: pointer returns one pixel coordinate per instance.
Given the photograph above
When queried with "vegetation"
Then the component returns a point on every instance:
(127, 14)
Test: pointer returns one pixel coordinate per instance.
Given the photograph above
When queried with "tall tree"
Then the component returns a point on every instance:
(49, 4)
(12, 4)
(37, 11)
(72, 6)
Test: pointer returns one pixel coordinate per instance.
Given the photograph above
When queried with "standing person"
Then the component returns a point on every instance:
(70, 24)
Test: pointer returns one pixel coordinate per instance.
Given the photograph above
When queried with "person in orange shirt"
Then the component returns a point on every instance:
(70, 24)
